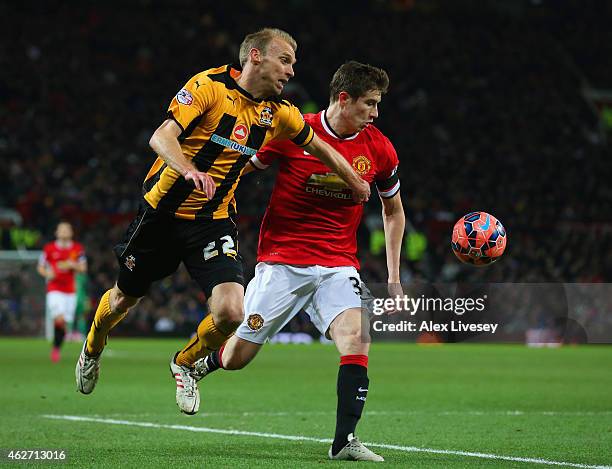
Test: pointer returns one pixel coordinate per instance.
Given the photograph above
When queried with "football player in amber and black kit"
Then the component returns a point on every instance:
(215, 124)
(307, 245)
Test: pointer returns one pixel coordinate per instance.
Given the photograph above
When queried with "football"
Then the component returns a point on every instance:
(478, 239)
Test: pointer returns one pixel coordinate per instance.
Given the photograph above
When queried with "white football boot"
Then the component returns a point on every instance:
(355, 451)
(87, 371)
(187, 393)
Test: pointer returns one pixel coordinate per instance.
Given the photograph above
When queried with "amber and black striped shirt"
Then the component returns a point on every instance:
(222, 127)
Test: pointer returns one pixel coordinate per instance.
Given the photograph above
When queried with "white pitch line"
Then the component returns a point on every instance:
(411, 449)
(370, 413)
(510, 413)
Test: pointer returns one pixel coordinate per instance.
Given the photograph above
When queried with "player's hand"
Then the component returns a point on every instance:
(202, 181)
(395, 290)
(361, 193)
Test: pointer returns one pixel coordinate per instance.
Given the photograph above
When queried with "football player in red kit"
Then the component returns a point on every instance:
(307, 245)
(60, 261)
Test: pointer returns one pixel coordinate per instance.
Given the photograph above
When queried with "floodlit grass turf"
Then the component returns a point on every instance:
(554, 404)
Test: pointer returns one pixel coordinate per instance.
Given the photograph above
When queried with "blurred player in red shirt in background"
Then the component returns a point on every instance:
(60, 261)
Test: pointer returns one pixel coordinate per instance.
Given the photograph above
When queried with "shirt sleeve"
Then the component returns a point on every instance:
(387, 179)
(192, 101)
(42, 259)
(294, 127)
(81, 253)
(268, 154)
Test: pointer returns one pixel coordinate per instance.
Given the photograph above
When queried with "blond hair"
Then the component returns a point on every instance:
(261, 39)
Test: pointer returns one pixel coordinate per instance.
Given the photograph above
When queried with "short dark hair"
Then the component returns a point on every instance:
(357, 79)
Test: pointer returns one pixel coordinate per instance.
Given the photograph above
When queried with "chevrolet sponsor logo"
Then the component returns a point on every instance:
(328, 185)
(330, 181)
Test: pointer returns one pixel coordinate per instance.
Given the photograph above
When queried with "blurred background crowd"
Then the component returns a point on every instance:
(490, 107)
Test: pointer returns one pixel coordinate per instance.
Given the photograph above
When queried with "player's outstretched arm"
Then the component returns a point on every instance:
(164, 142)
(394, 222)
(334, 160)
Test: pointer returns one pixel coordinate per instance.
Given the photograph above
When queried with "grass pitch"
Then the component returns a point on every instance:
(554, 405)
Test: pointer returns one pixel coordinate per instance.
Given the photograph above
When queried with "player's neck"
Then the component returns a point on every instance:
(248, 83)
(63, 243)
(333, 115)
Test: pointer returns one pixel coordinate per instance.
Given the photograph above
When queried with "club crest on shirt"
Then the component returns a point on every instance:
(184, 97)
(130, 262)
(265, 116)
(362, 165)
(241, 132)
(255, 321)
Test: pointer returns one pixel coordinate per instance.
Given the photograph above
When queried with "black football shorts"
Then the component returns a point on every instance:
(156, 243)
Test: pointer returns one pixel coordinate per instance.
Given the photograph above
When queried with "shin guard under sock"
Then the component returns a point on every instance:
(103, 322)
(208, 339)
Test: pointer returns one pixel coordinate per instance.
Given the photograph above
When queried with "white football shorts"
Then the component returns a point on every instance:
(279, 291)
(61, 304)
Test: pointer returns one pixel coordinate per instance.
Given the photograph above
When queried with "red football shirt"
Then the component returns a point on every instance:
(311, 218)
(55, 256)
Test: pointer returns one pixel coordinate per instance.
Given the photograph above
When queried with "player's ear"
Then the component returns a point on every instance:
(256, 55)
(343, 97)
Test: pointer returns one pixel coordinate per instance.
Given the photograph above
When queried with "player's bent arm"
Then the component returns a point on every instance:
(78, 267)
(394, 222)
(334, 160)
(249, 168)
(254, 164)
(81, 267)
(43, 271)
(164, 142)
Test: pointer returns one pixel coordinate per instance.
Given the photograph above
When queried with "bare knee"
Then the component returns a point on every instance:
(226, 305)
(120, 302)
(228, 312)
